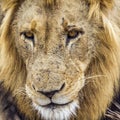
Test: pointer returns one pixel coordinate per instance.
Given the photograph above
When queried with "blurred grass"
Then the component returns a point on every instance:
(113, 113)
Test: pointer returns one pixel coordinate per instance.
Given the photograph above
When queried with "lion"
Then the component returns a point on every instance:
(59, 59)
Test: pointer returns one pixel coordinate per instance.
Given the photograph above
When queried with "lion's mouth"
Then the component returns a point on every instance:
(57, 111)
(55, 105)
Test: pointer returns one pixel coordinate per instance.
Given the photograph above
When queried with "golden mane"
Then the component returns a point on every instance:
(106, 61)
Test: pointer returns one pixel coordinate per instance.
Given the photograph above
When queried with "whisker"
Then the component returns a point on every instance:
(20, 91)
(95, 76)
(93, 80)
(74, 64)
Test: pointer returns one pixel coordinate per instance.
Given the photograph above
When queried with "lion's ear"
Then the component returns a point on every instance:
(100, 6)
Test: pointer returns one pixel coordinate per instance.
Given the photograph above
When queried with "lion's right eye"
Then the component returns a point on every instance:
(28, 39)
(28, 35)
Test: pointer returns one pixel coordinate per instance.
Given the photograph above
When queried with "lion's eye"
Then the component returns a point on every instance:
(28, 39)
(72, 34)
(28, 35)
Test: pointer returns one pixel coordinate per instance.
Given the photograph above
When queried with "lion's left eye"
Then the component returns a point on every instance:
(72, 34)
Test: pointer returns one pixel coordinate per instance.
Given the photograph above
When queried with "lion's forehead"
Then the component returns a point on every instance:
(74, 12)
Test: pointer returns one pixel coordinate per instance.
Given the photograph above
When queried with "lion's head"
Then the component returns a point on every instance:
(60, 58)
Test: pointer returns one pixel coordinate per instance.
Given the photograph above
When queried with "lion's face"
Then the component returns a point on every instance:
(57, 45)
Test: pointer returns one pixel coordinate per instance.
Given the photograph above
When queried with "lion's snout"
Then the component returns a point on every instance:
(50, 94)
(47, 81)
(49, 78)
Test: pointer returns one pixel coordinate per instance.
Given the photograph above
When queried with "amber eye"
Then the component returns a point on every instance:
(72, 34)
(28, 35)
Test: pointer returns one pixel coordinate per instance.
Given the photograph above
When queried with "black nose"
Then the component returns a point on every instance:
(50, 94)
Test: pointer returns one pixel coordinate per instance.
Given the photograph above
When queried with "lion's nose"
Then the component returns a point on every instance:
(50, 94)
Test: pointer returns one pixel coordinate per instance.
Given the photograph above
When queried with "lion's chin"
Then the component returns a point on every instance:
(57, 112)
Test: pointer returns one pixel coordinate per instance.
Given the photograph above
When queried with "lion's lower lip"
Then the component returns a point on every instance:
(55, 105)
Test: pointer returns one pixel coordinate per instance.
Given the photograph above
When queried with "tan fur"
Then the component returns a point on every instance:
(100, 66)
